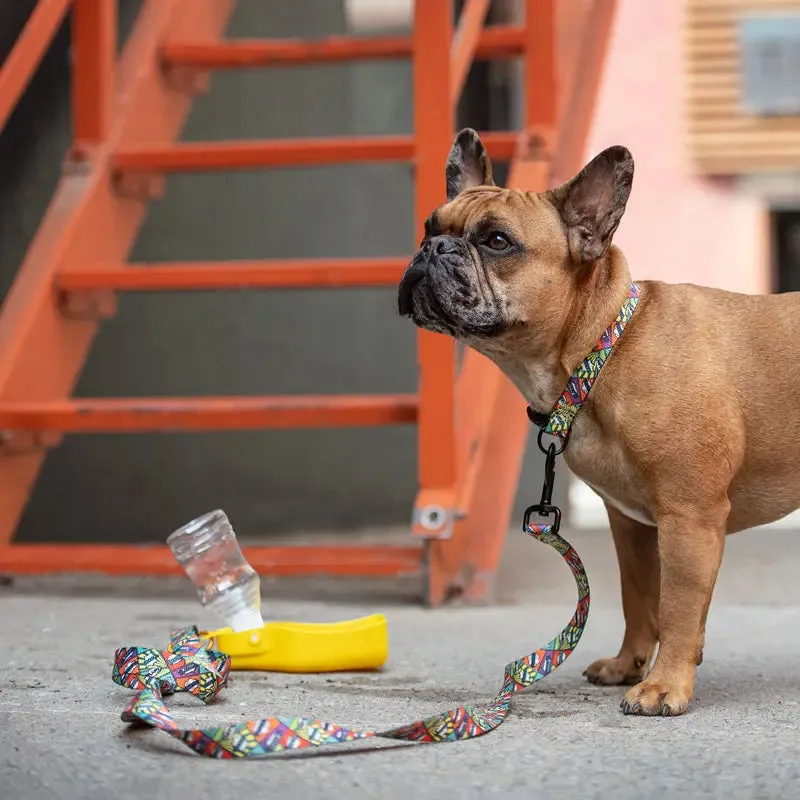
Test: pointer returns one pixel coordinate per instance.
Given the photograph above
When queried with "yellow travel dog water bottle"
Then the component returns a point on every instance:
(207, 550)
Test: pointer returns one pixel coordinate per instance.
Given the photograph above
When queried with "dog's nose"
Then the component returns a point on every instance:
(442, 245)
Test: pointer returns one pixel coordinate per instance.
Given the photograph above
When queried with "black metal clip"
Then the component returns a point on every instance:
(549, 476)
(545, 507)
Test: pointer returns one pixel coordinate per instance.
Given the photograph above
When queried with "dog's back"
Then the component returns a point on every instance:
(736, 357)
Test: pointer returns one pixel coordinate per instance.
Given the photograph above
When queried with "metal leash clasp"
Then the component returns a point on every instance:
(545, 507)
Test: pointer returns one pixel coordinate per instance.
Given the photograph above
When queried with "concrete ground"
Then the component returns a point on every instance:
(61, 736)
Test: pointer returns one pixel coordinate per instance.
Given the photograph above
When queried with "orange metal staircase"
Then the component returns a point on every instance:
(128, 113)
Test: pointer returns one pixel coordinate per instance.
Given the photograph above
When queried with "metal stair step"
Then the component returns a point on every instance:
(134, 415)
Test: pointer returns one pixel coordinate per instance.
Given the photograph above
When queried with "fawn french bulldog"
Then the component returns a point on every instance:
(692, 428)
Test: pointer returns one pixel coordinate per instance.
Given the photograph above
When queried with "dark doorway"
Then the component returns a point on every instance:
(785, 240)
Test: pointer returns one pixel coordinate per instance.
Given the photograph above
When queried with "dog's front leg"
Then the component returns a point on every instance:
(637, 555)
(690, 544)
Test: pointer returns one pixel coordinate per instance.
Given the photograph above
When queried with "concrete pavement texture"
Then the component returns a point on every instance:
(61, 737)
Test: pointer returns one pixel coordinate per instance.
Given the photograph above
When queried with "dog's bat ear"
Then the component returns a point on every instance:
(468, 164)
(593, 202)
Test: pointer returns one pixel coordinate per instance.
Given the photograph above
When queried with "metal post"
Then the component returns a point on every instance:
(94, 53)
(433, 122)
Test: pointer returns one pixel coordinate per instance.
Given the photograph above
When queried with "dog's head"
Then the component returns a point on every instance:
(495, 262)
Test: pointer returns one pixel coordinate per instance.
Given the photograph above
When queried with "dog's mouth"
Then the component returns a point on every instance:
(408, 284)
(418, 299)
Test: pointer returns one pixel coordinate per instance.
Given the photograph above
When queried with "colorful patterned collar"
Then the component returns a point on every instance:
(559, 421)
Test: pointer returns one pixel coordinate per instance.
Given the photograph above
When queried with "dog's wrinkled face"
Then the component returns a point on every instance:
(498, 261)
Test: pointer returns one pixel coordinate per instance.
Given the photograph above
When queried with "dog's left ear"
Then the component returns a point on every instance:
(593, 202)
(468, 164)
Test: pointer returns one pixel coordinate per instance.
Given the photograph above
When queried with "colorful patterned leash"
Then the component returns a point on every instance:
(189, 665)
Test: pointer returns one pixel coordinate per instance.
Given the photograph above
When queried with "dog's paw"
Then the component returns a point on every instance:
(654, 699)
(614, 672)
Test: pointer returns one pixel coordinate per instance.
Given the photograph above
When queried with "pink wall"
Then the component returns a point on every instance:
(677, 227)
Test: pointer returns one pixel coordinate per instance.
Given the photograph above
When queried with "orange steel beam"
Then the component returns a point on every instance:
(499, 41)
(579, 107)
(204, 276)
(494, 427)
(136, 415)
(465, 44)
(94, 48)
(434, 116)
(344, 561)
(21, 63)
(465, 564)
(487, 497)
(493, 436)
(207, 156)
(540, 72)
(87, 222)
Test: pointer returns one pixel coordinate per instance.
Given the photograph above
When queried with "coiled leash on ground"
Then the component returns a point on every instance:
(187, 665)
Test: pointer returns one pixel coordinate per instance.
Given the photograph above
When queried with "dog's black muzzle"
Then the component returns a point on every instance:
(440, 268)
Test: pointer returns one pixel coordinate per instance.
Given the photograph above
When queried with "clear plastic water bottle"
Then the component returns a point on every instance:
(227, 585)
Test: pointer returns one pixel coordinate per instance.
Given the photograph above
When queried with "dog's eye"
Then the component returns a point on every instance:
(497, 241)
